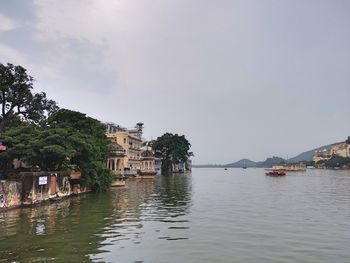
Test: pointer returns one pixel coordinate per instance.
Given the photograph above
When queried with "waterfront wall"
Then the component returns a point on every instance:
(42, 186)
(30, 188)
(10, 194)
(291, 167)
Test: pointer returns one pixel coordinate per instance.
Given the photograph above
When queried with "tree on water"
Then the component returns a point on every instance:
(173, 149)
(17, 101)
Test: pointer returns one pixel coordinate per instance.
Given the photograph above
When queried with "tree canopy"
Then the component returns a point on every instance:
(87, 137)
(17, 101)
(172, 149)
(71, 140)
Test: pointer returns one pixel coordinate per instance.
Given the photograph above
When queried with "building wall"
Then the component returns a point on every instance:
(28, 191)
(341, 149)
(290, 167)
(131, 144)
(116, 164)
(10, 194)
(147, 165)
(57, 185)
(321, 155)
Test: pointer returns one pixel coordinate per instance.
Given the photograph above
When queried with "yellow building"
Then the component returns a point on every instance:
(115, 161)
(130, 140)
(148, 167)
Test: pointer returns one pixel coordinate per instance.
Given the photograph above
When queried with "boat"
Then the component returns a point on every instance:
(225, 168)
(275, 172)
(244, 167)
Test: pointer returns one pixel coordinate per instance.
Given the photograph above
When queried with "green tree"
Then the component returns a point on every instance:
(172, 149)
(337, 162)
(48, 149)
(70, 140)
(52, 149)
(17, 140)
(17, 101)
(87, 136)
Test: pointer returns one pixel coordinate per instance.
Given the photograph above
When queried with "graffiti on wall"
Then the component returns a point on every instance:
(10, 193)
(2, 200)
(2, 197)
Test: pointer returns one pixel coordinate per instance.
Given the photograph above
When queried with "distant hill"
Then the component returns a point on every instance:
(241, 163)
(208, 165)
(269, 162)
(307, 156)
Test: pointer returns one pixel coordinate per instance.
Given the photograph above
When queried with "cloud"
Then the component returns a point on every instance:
(7, 24)
(194, 67)
(89, 20)
(8, 53)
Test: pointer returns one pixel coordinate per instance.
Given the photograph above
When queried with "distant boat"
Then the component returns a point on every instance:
(225, 168)
(275, 172)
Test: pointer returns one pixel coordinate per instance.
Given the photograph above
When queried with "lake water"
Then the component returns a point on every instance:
(211, 215)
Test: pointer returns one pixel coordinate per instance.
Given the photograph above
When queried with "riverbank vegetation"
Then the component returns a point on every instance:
(44, 137)
(335, 162)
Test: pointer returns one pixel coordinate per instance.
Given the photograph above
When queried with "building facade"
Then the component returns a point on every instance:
(115, 161)
(130, 141)
(148, 163)
(321, 155)
(341, 149)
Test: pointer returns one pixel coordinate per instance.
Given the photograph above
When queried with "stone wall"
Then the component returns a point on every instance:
(10, 194)
(41, 186)
(34, 187)
(290, 167)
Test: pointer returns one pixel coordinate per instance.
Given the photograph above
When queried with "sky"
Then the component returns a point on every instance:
(240, 79)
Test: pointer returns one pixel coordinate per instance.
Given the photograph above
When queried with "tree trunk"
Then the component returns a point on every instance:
(167, 167)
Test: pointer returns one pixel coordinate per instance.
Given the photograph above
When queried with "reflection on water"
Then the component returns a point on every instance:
(145, 213)
(63, 231)
(212, 215)
(80, 228)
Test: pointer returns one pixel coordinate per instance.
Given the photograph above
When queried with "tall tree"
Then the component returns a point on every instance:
(17, 101)
(88, 138)
(70, 140)
(172, 149)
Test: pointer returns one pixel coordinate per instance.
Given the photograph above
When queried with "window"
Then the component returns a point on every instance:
(124, 140)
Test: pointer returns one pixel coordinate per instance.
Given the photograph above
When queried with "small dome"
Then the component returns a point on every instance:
(147, 153)
(115, 147)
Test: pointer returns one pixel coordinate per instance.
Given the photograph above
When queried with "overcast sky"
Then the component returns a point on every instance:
(241, 79)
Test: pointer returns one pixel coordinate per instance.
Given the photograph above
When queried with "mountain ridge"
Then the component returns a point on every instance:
(269, 162)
